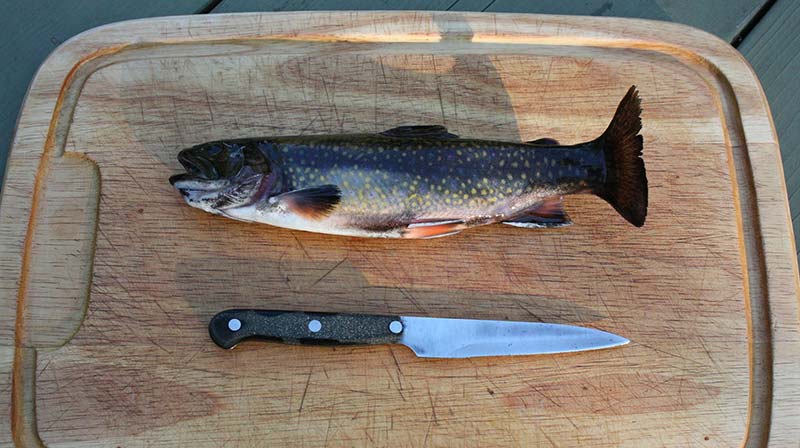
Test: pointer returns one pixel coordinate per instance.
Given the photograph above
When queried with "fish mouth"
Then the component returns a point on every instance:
(178, 179)
(188, 184)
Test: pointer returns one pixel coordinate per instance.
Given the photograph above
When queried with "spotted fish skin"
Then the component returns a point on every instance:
(415, 181)
(388, 182)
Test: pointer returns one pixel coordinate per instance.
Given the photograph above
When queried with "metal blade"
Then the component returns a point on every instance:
(432, 337)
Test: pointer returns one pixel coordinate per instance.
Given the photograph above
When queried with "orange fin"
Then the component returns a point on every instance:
(312, 203)
(548, 213)
(434, 229)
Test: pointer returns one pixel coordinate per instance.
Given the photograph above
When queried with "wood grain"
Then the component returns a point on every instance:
(64, 236)
(707, 290)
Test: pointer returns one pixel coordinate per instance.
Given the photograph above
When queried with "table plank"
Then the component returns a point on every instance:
(725, 18)
(334, 5)
(6, 363)
(773, 49)
(36, 28)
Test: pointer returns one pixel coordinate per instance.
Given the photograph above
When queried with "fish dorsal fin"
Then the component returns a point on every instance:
(548, 213)
(436, 132)
(544, 142)
(311, 203)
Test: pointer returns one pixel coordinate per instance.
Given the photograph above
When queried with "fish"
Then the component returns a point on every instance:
(415, 181)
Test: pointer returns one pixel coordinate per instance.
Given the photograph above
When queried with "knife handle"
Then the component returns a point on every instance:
(231, 327)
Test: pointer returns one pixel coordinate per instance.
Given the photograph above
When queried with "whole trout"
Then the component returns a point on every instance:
(415, 181)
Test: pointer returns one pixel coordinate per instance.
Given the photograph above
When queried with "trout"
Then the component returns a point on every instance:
(415, 181)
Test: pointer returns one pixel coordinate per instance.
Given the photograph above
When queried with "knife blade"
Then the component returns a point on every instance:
(428, 337)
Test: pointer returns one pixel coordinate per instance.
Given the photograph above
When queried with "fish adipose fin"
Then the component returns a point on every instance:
(546, 214)
(626, 183)
(434, 229)
(436, 132)
(544, 142)
(312, 203)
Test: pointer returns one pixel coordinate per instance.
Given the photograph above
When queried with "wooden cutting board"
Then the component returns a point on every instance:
(108, 280)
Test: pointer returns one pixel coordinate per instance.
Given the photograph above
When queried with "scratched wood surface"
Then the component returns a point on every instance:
(706, 291)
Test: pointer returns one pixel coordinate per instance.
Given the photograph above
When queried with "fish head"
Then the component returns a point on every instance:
(220, 176)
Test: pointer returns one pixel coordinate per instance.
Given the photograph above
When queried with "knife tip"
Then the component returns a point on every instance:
(619, 340)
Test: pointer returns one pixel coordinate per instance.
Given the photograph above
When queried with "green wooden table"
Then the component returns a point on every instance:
(767, 32)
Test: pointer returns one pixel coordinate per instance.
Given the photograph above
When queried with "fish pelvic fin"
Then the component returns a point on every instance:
(546, 214)
(626, 181)
(433, 229)
(312, 203)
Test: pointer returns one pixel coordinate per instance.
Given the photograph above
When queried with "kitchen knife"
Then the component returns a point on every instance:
(428, 337)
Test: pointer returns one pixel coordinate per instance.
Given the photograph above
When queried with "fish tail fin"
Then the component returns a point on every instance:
(626, 182)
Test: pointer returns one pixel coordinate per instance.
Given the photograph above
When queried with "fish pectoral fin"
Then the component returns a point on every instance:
(311, 203)
(433, 228)
(436, 131)
(546, 214)
(544, 142)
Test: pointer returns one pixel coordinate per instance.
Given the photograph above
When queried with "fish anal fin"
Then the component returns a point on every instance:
(311, 203)
(435, 132)
(548, 213)
(544, 142)
(433, 228)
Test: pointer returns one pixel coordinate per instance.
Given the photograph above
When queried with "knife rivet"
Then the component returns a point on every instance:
(234, 324)
(315, 326)
(395, 326)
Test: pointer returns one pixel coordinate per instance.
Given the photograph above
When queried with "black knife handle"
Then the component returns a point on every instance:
(231, 327)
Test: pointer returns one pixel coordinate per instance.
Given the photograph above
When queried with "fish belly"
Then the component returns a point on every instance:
(336, 224)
